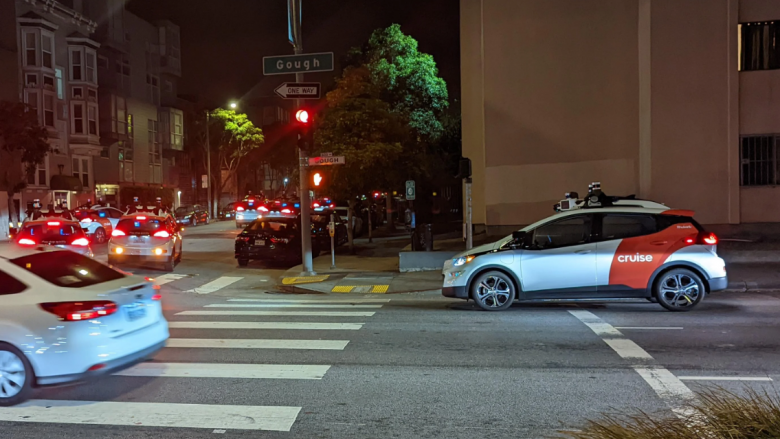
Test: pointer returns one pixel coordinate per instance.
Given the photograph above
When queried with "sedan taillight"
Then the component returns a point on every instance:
(82, 242)
(76, 311)
(162, 234)
(118, 232)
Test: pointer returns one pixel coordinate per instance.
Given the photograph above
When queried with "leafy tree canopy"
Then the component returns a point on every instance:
(21, 135)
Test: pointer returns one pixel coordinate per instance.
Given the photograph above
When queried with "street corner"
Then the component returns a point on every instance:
(297, 280)
(361, 289)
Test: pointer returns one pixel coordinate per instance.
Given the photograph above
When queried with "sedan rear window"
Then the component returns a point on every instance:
(276, 226)
(47, 232)
(67, 269)
(136, 225)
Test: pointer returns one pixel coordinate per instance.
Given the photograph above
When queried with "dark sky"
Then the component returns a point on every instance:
(224, 41)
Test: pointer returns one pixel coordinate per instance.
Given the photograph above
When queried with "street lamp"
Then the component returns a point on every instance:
(233, 105)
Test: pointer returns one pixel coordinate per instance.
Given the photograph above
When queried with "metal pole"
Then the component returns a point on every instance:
(332, 241)
(303, 174)
(208, 164)
(469, 231)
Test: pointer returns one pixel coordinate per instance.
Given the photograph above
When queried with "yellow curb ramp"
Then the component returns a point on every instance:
(304, 279)
(379, 289)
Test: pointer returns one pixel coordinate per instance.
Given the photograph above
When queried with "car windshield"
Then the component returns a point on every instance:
(183, 209)
(52, 230)
(67, 269)
(275, 226)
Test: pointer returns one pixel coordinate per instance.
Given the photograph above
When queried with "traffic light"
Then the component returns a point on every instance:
(305, 135)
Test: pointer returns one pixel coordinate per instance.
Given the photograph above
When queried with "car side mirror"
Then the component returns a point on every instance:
(519, 238)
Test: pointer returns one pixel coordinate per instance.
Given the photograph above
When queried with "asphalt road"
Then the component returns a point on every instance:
(399, 366)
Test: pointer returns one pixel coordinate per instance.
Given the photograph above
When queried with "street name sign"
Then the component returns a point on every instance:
(327, 161)
(308, 62)
(299, 90)
(411, 192)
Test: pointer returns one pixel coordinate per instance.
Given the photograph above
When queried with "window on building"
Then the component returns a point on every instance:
(78, 118)
(92, 120)
(48, 110)
(125, 157)
(47, 50)
(154, 156)
(102, 62)
(118, 114)
(81, 170)
(130, 126)
(78, 93)
(76, 65)
(92, 94)
(177, 133)
(758, 160)
(60, 86)
(48, 82)
(759, 46)
(31, 99)
(91, 76)
(31, 80)
(168, 86)
(30, 48)
(153, 87)
(38, 177)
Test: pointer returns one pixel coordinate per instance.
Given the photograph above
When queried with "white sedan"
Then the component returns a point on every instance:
(66, 317)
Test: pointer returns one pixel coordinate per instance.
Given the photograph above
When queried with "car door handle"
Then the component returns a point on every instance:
(583, 252)
(659, 242)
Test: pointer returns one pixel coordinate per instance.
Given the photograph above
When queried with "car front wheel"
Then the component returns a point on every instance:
(16, 376)
(493, 291)
(100, 236)
(243, 262)
(679, 290)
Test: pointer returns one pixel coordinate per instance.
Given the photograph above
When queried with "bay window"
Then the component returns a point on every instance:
(78, 117)
(30, 47)
(48, 110)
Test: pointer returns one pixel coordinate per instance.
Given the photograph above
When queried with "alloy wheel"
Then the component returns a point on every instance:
(679, 290)
(493, 292)
(12, 374)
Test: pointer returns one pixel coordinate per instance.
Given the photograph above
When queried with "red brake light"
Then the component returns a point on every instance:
(262, 209)
(709, 238)
(80, 241)
(332, 206)
(75, 311)
(86, 220)
(239, 209)
(53, 223)
(25, 241)
(162, 234)
(286, 211)
(157, 296)
(141, 218)
(689, 240)
(316, 204)
(118, 232)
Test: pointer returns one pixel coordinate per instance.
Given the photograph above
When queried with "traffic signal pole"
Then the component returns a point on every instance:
(303, 162)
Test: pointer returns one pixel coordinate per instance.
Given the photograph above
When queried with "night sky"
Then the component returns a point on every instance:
(224, 41)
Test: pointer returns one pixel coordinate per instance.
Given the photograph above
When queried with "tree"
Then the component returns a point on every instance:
(24, 139)
(239, 136)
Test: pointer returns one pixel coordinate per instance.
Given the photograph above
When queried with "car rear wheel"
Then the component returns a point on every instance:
(194, 221)
(100, 235)
(493, 291)
(16, 376)
(170, 263)
(243, 262)
(207, 220)
(679, 290)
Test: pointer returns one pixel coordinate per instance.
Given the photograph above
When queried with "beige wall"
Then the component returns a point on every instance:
(758, 10)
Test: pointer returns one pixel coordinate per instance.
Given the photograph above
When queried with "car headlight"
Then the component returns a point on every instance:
(463, 260)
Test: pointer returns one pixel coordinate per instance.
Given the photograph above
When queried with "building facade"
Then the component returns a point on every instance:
(675, 101)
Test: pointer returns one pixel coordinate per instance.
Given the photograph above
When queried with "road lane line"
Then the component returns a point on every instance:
(333, 345)
(149, 414)
(223, 370)
(692, 378)
(648, 328)
(676, 395)
(296, 300)
(291, 305)
(278, 313)
(166, 278)
(265, 325)
(215, 285)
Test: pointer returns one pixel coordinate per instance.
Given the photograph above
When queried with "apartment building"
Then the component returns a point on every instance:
(672, 100)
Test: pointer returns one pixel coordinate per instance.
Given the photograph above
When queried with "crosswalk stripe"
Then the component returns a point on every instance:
(294, 300)
(264, 325)
(279, 313)
(166, 278)
(333, 345)
(215, 285)
(290, 305)
(222, 370)
(148, 414)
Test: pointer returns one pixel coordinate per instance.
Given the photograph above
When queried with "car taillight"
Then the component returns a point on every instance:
(239, 209)
(280, 240)
(316, 204)
(141, 218)
(75, 311)
(162, 234)
(286, 211)
(262, 209)
(118, 232)
(83, 242)
(157, 296)
(708, 238)
(86, 220)
(25, 241)
(53, 223)
(332, 206)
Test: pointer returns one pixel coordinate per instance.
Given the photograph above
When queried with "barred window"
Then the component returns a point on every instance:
(758, 160)
(759, 46)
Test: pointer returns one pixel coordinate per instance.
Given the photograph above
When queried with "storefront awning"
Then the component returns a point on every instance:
(65, 183)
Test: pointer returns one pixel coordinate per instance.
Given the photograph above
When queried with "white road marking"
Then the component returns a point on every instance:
(223, 370)
(148, 414)
(676, 395)
(296, 300)
(291, 305)
(166, 278)
(279, 313)
(690, 378)
(215, 285)
(648, 328)
(233, 343)
(264, 325)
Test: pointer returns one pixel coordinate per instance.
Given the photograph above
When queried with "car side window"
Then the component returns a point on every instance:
(113, 213)
(621, 226)
(562, 233)
(10, 284)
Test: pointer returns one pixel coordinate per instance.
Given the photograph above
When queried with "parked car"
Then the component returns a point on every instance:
(228, 212)
(192, 215)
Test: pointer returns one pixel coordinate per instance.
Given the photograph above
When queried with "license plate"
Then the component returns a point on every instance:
(260, 243)
(135, 311)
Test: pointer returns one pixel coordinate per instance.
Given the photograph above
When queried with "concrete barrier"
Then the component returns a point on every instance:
(423, 261)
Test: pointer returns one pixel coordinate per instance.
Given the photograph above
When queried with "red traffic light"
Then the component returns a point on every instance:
(302, 116)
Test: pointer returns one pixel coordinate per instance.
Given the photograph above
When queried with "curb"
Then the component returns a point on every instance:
(289, 289)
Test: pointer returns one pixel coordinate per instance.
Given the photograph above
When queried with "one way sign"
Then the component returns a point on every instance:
(299, 90)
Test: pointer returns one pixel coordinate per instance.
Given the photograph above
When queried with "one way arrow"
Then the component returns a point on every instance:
(298, 90)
